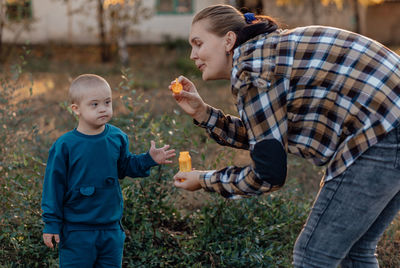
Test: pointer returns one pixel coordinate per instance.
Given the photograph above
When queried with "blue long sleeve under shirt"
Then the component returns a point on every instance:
(81, 186)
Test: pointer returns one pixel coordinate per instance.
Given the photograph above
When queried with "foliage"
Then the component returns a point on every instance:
(221, 233)
(21, 170)
(122, 15)
(253, 232)
(115, 20)
(15, 26)
(389, 245)
(256, 232)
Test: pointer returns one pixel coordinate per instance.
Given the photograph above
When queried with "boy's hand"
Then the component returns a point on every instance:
(48, 239)
(160, 155)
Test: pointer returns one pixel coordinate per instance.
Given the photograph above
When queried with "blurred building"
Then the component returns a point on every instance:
(382, 22)
(76, 21)
(379, 21)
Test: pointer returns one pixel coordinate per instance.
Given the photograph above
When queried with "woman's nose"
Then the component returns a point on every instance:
(193, 55)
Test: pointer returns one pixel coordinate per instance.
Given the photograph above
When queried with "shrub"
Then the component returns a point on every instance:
(253, 232)
(21, 172)
(223, 233)
(389, 246)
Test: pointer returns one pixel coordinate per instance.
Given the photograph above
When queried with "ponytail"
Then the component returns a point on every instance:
(225, 18)
(260, 25)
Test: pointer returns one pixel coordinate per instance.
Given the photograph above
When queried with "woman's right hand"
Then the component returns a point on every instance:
(189, 100)
(189, 181)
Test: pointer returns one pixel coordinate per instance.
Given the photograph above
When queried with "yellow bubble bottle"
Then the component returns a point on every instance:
(185, 162)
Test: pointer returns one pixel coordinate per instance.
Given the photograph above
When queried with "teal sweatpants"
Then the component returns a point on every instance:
(95, 248)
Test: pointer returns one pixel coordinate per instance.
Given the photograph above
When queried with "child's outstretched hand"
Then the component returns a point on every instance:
(48, 239)
(161, 155)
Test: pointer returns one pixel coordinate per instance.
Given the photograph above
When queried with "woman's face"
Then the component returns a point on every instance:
(209, 52)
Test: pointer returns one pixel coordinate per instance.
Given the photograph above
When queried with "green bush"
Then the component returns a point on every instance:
(21, 170)
(223, 233)
(253, 232)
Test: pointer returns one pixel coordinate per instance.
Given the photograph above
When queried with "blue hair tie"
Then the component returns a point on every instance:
(249, 17)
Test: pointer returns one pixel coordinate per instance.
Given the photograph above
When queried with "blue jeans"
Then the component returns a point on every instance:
(353, 210)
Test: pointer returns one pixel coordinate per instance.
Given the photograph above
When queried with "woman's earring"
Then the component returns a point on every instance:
(228, 53)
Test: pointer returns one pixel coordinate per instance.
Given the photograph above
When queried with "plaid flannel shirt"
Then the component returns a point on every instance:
(326, 94)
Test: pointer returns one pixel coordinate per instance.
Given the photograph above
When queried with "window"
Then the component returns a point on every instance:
(18, 9)
(175, 6)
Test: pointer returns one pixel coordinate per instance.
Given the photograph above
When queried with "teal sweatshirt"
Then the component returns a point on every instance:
(81, 187)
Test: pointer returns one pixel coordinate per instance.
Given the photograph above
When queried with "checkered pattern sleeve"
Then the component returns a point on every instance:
(322, 93)
(261, 106)
(344, 94)
(231, 182)
(226, 130)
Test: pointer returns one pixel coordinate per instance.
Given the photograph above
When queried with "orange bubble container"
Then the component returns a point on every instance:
(185, 162)
(176, 87)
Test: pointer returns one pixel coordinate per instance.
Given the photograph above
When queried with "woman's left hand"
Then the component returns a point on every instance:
(188, 180)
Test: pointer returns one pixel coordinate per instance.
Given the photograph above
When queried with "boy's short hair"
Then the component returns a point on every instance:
(83, 82)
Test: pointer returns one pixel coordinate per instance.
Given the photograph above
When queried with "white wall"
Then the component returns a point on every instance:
(52, 24)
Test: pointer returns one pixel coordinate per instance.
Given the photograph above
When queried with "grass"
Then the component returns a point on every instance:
(186, 223)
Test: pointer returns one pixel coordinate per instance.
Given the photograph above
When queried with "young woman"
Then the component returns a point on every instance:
(325, 94)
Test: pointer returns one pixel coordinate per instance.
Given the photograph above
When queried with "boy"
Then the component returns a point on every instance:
(82, 202)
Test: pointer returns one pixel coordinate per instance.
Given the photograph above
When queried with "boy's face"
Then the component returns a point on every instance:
(94, 108)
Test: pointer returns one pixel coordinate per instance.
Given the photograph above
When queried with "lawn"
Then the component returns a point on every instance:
(165, 226)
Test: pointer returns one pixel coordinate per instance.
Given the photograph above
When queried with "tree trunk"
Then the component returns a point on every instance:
(2, 18)
(122, 47)
(240, 4)
(105, 48)
(314, 14)
(259, 7)
(69, 14)
(357, 26)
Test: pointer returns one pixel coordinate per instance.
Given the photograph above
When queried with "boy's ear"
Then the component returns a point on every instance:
(75, 108)
(230, 40)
